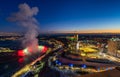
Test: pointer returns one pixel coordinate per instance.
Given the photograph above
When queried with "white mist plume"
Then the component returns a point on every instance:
(25, 17)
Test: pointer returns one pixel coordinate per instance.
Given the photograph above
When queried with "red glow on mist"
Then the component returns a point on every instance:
(21, 60)
(21, 53)
(29, 49)
(44, 49)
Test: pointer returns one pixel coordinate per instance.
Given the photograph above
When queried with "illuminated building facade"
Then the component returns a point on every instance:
(74, 43)
(114, 46)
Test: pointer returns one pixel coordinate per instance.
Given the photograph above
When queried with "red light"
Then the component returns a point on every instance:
(44, 49)
(21, 60)
(21, 53)
(29, 49)
(32, 49)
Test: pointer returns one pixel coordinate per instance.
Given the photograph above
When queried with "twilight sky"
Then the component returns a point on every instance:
(66, 15)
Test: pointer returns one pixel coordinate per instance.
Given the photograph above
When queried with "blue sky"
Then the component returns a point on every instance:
(66, 15)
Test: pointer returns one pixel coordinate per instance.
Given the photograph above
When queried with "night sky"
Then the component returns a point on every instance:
(66, 15)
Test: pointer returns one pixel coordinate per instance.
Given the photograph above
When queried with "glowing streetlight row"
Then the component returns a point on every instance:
(70, 64)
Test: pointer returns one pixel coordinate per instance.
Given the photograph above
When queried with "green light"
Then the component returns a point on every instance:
(72, 38)
(40, 47)
(26, 51)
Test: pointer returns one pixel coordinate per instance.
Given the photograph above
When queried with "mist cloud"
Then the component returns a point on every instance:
(25, 17)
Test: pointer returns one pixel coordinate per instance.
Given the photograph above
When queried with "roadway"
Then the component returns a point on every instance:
(27, 68)
(112, 58)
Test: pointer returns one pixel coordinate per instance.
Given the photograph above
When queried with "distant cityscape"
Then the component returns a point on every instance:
(60, 38)
(68, 54)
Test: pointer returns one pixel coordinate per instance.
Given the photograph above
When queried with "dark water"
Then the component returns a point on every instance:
(10, 64)
(9, 67)
(14, 45)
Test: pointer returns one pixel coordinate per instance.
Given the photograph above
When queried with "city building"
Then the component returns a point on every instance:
(114, 46)
(74, 43)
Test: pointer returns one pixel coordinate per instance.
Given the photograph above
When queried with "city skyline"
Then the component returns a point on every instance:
(62, 16)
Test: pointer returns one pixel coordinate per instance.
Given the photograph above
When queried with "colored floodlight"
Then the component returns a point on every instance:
(40, 47)
(21, 53)
(84, 66)
(72, 38)
(59, 63)
(44, 49)
(56, 61)
(29, 50)
(21, 60)
(26, 51)
(71, 65)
